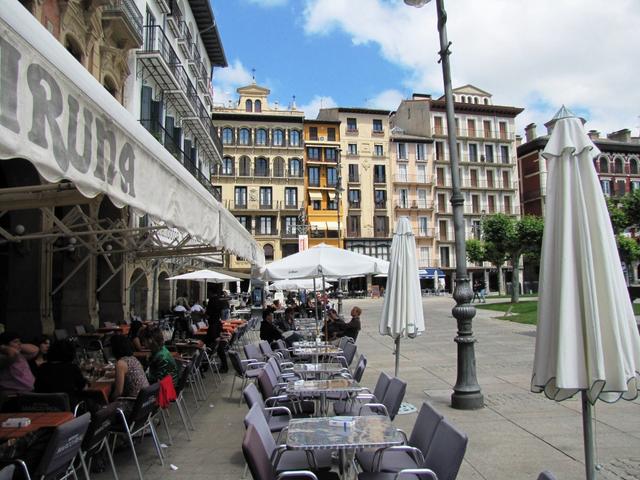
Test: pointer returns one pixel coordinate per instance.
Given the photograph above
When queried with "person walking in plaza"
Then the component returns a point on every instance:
(476, 291)
(482, 291)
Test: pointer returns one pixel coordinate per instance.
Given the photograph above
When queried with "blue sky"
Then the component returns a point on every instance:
(536, 55)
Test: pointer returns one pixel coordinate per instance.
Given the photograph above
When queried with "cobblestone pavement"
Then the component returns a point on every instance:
(517, 434)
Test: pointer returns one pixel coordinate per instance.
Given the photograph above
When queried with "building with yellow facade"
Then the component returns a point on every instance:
(261, 179)
(323, 182)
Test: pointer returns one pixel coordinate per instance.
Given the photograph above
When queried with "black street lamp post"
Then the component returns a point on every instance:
(466, 392)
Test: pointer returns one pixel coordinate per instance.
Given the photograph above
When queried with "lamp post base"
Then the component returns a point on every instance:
(467, 401)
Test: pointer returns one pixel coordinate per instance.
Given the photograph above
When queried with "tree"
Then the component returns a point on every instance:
(629, 251)
(631, 208)
(618, 215)
(476, 251)
(498, 232)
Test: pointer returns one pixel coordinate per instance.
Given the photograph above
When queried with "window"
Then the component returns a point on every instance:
(421, 151)
(604, 165)
(505, 179)
(444, 257)
(291, 197)
(379, 174)
(294, 138)
(377, 125)
(316, 204)
(489, 178)
(381, 226)
(402, 151)
(442, 203)
(331, 134)
(473, 177)
(227, 136)
(217, 192)
(314, 176)
(258, 105)
(422, 173)
(278, 167)
(354, 198)
(290, 225)
(261, 136)
(504, 153)
(471, 127)
(633, 166)
(354, 176)
(240, 197)
(332, 204)
(502, 126)
(423, 226)
(268, 252)
(244, 137)
(278, 138)
(352, 149)
(402, 173)
(352, 125)
(488, 153)
(621, 187)
(404, 198)
(353, 226)
(295, 167)
(440, 177)
(313, 153)
(262, 167)
(248, 106)
(265, 197)
(380, 198)
(507, 205)
(245, 166)
(473, 152)
(332, 177)
(422, 198)
(313, 133)
(227, 166)
(330, 154)
(617, 166)
(425, 256)
(438, 126)
(491, 201)
(606, 187)
(635, 185)
(439, 151)
(245, 222)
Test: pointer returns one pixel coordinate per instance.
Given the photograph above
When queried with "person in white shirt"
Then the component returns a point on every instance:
(197, 308)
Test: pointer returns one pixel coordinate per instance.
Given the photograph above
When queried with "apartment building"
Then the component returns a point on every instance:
(323, 182)
(412, 168)
(488, 170)
(366, 174)
(261, 179)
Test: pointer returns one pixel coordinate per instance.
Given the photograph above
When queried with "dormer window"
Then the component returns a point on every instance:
(248, 106)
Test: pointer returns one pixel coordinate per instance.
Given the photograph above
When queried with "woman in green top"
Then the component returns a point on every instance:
(161, 362)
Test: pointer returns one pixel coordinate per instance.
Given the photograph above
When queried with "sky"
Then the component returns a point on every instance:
(537, 55)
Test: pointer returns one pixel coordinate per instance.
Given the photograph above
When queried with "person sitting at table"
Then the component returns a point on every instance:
(15, 374)
(333, 327)
(43, 343)
(268, 331)
(196, 308)
(137, 333)
(130, 377)
(60, 373)
(287, 325)
(161, 362)
(352, 329)
(183, 301)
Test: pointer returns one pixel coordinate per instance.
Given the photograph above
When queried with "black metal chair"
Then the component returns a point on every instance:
(96, 439)
(546, 475)
(243, 369)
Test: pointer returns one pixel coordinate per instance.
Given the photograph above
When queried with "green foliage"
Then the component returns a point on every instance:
(628, 249)
(475, 250)
(631, 208)
(618, 215)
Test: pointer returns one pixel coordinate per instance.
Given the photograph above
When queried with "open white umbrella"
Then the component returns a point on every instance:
(587, 340)
(402, 314)
(208, 275)
(297, 284)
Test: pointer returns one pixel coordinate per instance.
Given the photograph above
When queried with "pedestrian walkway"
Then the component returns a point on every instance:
(514, 437)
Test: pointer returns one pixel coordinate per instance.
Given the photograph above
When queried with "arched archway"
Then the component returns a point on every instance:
(73, 47)
(138, 293)
(109, 284)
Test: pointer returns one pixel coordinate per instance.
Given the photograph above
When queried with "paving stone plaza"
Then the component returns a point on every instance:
(517, 434)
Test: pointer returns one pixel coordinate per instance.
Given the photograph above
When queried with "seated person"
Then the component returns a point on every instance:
(161, 362)
(268, 331)
(216, 339)
(15, 374)
(60, 373)
(352, 329)
(43, 343)
(136, 335)
(130, 377)
(334, 326)
(287, 325)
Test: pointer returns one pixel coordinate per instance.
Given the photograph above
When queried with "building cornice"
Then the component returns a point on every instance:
(459, 107)
(257, 117)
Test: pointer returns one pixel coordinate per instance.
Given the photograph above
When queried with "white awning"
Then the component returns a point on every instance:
(319, 225)
(315, 195)
(332, 225)
(332, 195)
(57, 116)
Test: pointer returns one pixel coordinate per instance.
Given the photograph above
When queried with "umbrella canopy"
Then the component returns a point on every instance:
(587, 340)
(324, 260)
(402, 314)
(298, 284)
(208, 275)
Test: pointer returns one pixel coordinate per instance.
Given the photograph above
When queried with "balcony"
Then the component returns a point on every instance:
(352, 130)
(160, 59)
(289, 231)
(476, 133)
(194, 60)
(122, 23)
(425, 233)
(175, 18)
(381, 233)
(354, 205)
(355, 233)
(413, 205)
(240, 206)
(377, 132)
(354, 178)
(203, 78)
(272, 232)
(379, 179)
(380, 205)
(412, 179)
(185, 40)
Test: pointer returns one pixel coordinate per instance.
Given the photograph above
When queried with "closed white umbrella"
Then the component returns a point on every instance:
(402, 314)
(208, 275)
(587, 340)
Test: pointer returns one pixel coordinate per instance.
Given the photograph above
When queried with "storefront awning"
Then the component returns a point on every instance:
(332, 225)
(55, 114)
(315, 195)
(332, 195)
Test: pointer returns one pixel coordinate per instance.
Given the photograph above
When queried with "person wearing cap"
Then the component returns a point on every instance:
(15, 373)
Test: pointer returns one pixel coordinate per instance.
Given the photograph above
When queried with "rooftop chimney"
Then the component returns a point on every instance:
(530, 132)
(594, 134)
(623, 135)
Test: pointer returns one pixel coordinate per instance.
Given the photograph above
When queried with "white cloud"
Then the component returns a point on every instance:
(537, 55)
(386, 100)
(227, 80)
(269, 3)
(317, 102)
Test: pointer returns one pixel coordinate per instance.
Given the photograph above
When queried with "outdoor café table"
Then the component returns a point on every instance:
(108, 330)
(344, 434)
(322, 387)
(242, 312)
(307, 369)
(102, 386)
(316, 350)
(38, 420)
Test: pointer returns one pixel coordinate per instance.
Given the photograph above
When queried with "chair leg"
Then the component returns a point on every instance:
(193, 392)
(24, 468)
(85, 468)
(184, 420)
(165, 422)
(133, 449)
(110, 456)
(156, 442)
(233, 384)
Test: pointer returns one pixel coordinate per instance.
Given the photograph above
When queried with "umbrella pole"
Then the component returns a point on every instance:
(589, 441)
(397, 355)
(315, 302)
(326, 324)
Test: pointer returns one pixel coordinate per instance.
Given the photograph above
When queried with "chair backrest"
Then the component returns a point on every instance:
(7, 472)
(425, 428)
(101, 422)
(89, 328)
(265, 383)
(236, 363)
(282, 345)
(184, 377)
(446, 452)
(256, 418)
(349, 352)
(545, 475)
(38, 402)
(145, 404)
(60, 334)
(381, 386)
(265, 348)
(256, 456)
(80, 330)
(252, 397)
(63, 447)
(360, 368)
(343, 341)
(252, 350)
(393, 396)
